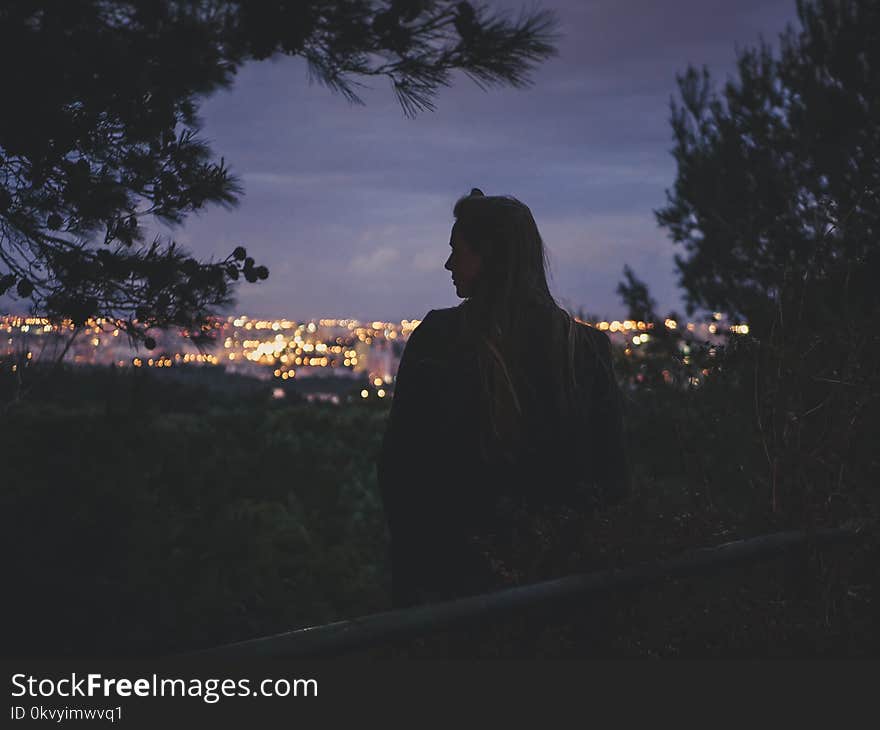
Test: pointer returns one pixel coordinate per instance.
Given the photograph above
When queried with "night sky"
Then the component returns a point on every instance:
(350, 207)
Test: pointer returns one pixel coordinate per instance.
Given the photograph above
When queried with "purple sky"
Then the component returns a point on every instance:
(350, 207)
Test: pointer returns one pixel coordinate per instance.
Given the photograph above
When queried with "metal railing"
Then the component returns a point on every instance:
(381, 628)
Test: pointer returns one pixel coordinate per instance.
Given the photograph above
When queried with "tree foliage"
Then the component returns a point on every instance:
(776, 203)
(778, 184)
(636, 297)
(101, 130)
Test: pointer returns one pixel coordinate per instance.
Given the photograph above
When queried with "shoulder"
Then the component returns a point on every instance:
(433, 336)
(437, 319)
(437, 324)
(426, 355)
(597, 340)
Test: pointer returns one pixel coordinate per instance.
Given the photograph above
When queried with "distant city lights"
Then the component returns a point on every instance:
(281, 349)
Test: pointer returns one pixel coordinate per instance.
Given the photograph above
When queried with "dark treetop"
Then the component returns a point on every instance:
(102, 133)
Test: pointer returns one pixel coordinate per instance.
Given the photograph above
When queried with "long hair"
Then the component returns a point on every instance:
(509, 312)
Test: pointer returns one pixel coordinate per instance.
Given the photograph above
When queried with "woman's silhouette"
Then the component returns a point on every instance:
(502, 399)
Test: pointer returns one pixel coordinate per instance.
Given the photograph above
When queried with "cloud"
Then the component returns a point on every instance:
(376, 261)
(630, 172)
(312, 180)
(359, 199)
(428, 260)
(599, 239)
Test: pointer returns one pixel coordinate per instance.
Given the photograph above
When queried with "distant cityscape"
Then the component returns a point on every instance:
(282, 349)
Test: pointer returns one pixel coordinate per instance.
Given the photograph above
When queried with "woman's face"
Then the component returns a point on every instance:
(464, 264)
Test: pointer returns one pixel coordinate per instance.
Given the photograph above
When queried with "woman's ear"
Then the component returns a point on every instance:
(476, 193)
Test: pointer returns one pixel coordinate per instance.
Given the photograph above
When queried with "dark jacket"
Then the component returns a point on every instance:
(439, 492)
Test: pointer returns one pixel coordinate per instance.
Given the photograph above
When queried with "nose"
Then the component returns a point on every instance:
(448, 264)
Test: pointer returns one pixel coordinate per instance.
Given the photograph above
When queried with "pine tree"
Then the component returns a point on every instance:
(777, 195)
(776, 202)
(100, 129)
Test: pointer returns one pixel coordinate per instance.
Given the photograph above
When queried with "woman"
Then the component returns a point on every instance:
(502, 400)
